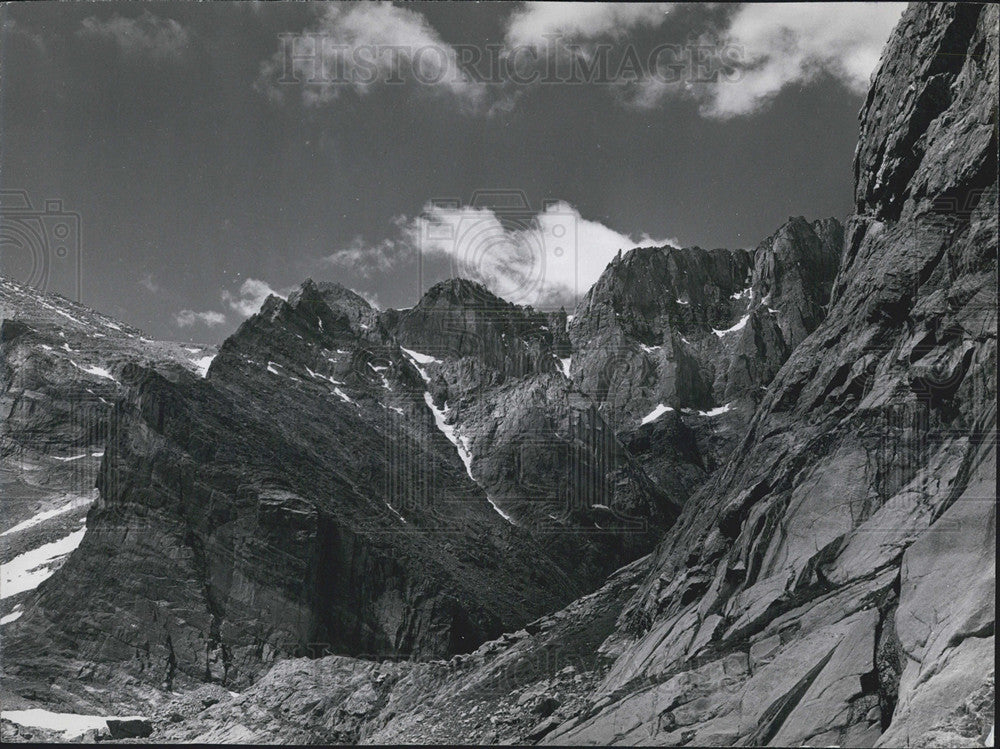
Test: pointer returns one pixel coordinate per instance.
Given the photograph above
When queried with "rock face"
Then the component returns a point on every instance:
(343, 480)
(693, 329)
(677, 346)
(61, 370)
(834, 585)
(538, 447)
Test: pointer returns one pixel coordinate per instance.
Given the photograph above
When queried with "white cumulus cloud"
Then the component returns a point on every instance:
(186, 318)
(782, 44)
(252, 294)
(532, 24)
(359, 45)
(544, 258)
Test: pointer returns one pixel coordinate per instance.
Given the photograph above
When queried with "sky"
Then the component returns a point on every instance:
(194, 157)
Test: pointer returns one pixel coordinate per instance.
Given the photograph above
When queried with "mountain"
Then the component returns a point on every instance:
(299, 495)
(375, 484)
(835, 583)
(339, 479)
(736, 498)
(64, 366)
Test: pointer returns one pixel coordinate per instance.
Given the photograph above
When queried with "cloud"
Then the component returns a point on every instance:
(369, 296)
(149, 284)
(251, 296)
(549, 260)
(368, 259)
(161, 39)
(575, 22)
(781, 44)
(360, 45)
(186, 318)
(543, 259)
(756, 50)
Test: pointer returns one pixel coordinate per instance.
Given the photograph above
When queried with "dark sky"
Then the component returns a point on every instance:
(196, 175)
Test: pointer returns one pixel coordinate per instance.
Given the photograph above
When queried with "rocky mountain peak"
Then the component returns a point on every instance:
(461, 292)
(462, 318)
(335, 307)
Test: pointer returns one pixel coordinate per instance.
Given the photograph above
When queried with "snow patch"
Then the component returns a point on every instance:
(65, 314)
(449, 431)
(565, 363)
(740, 294)
(95, 370)
(28, 570)
(738, 326)
(323, 377)
(70, 725)
(713, 412)
(45, 515)
(202, 364)
(502, 514)
(461, 445)
(70, 459)
(395, 512)
(416, 359)
(13, 616)
(420, 358)
(655, 414)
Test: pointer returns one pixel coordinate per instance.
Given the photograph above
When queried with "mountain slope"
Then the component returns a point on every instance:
(343, 480)
(63, 366)
(299, 496)
(808, 593)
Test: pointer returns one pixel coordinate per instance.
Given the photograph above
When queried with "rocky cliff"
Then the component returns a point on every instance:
(61, 370)
(835, 583)
(539, 448)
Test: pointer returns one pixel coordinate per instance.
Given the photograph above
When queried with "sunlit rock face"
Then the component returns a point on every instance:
(834, 585)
